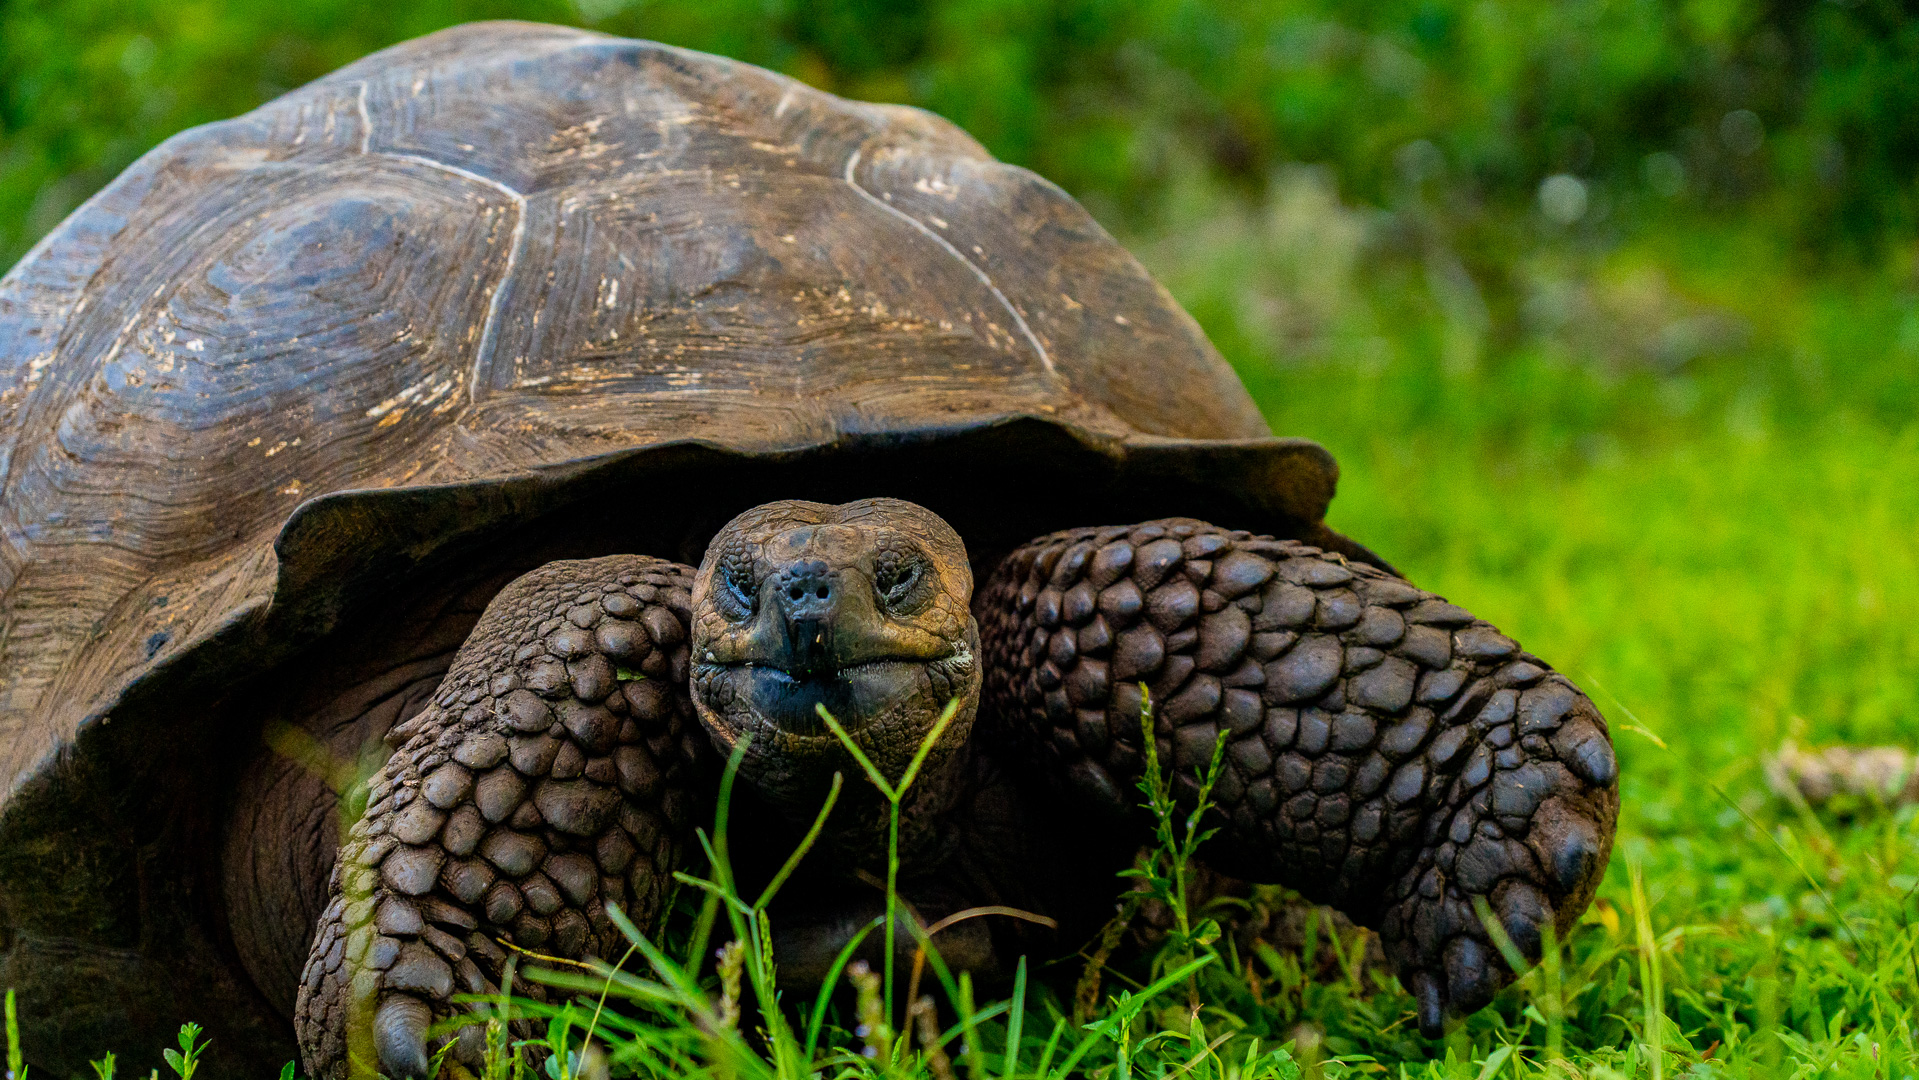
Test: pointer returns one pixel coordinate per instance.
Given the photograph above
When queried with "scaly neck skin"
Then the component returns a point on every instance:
(971, 835)
(840, 887)
(779, 794)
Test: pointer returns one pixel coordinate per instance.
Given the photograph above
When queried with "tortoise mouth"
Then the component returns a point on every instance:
(886, 709)
(760, 697)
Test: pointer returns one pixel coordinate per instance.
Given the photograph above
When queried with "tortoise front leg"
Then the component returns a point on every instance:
(1387, 753)
(547, 781)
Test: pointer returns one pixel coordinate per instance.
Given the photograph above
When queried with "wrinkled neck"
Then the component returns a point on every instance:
(766, 825)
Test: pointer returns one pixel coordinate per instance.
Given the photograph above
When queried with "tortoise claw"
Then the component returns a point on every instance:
(1523, 913)
(399, 1036)
(1431, 1001)
(1575, 853)
(1472, 974)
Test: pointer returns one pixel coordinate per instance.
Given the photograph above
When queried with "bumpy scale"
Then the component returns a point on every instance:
(1387, 752)
(548, 779)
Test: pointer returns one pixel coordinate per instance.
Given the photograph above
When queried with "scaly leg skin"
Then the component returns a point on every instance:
(548, 780)
(1387, 753)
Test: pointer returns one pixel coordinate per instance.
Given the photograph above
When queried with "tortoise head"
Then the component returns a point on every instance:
(861, 609)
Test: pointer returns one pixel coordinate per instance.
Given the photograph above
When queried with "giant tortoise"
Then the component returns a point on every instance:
(388, 424)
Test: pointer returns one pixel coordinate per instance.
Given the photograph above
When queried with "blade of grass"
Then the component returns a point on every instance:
(873, 772)
(16, 1059)
(893, 794)
(1052, 1044)
(970, 1050)
(1650, 976)
(1129, 1007)
(709, 907)
(1209, 1048)
(926, 745)
(600, 1006)
(722, 864)
(1494, 1060)
(1015, 1020)
(832, 980)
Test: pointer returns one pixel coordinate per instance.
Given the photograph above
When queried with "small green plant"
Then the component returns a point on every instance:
(501, 1058)
(186, 1059)
(675, 1027)
(1167, 869)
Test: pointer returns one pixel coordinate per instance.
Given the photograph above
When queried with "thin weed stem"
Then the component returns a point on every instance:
(1167, 869)
(893, 793)
(16, 1060)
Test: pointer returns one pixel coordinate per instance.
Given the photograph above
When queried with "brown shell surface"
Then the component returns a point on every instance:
(501, 249)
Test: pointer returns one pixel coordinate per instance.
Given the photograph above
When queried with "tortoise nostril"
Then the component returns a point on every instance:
(807, 590)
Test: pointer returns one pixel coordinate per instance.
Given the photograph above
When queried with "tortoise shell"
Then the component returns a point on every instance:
(510, 292)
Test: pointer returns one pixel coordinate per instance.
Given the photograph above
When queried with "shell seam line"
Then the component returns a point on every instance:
(484, 350)
(1045, 358)
(366, 121)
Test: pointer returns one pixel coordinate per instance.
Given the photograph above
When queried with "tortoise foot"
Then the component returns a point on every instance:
(377, 980)
(1386, 752)
(544, 785)
(1522, 800)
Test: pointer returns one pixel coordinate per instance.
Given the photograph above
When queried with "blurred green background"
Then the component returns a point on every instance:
(1608, 309)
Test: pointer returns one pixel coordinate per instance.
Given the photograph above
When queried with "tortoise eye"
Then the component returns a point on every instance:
(735, 596)
(905, 586)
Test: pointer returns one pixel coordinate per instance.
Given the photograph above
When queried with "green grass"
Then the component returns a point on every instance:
(1718, 590)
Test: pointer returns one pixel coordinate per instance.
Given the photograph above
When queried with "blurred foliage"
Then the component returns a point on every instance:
(1798, 111)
